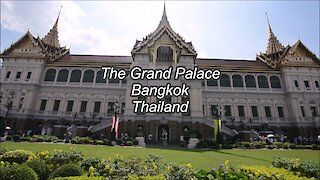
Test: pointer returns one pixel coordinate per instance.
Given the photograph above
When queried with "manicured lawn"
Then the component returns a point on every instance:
(200, 159)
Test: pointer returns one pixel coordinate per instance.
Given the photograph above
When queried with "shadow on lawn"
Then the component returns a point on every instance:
(179, 148)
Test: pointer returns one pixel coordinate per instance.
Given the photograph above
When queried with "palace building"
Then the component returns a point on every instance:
(45, 89)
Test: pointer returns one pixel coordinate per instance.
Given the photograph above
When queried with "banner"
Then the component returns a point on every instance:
(217, 128)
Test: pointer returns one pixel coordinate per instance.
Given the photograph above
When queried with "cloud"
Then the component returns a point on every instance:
(216, 29)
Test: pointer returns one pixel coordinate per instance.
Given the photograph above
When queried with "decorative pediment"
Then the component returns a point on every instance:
(25, 46)
(163, 35)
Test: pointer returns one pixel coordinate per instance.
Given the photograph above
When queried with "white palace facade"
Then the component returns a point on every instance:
(44, 88)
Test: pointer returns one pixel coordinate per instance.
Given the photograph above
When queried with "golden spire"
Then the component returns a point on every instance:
(273, 43)
(52, 37)
(164, 19)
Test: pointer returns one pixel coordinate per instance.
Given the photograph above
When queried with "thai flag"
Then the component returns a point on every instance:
(117, 127)
(115, 124)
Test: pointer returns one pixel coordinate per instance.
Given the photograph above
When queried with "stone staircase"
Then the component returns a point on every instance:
(225, 130)
(100, 126)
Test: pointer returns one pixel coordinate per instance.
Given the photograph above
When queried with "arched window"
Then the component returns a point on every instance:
(63, 75)
(275, 82)
(237, 81)
(250, 81)
(164, 53)
(99, 77)
(88, 76)
(225, 80)
(212, 82)
(75, 76)
(263, 82)
(50, 75)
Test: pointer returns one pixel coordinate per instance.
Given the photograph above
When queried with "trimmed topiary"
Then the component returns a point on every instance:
(17, 156)
(39, 167)
(66, 171)
(17, 172)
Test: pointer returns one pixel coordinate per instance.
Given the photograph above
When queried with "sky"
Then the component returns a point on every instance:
(217, 29)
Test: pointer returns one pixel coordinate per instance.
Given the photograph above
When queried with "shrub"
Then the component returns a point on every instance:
(185, 172)
(107, 142)
(206, 144)
(227, 146)
(94, 162)
(159, 177)
(84, 177)
(9, 138)
(278, 145)
(39, 167)
(304, 168)
(16, 137)
(98, 142)
(64, 157)
(292, 146)
(315, 147)
(118, 141)
(285, 145)
(27, 138)
(135, 142)
(128, 143)
(81, 140)
(17, 172)
(3, 150)
(67, 170)
(259, 144)
(17, 156)
(262, 172)
(37, 138)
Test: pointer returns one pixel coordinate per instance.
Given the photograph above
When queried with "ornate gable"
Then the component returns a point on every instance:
(163, 36)
(300, 55)
(26, 46)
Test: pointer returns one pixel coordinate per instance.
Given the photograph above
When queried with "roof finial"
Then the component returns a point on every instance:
(52, 37)
(164, 15)
(273, 44)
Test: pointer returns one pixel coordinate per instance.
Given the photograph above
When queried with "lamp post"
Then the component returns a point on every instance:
(9, 106)
(250, 121)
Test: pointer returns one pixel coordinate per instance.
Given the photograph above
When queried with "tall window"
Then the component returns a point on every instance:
(275, 82)
(8, 74)
(214, 110)
(313, 111)
(263, 82)
(50, 75)
(18, 75)
(20, 103)
(29, 75)
(123, 106)
(43, 104)
(75, 76)
(56, 105)
(63, 75)
(212, 82)
(302, 111)
(184, 100)
(306, 84)
(241, 111)
(111, 106)
(250, 81)
(237, 81)
(83, 106)
(296, 84)
(97, 107)
(164, 53)
(268, 111)
(254, 110)
(88, 76)
(225, 80)
(317, 84)
(227, 110)
(69, 106)
(280, 112)
(99, 78)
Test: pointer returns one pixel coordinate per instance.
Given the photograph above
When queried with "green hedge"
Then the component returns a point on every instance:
(67, 170)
